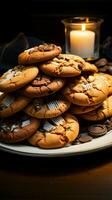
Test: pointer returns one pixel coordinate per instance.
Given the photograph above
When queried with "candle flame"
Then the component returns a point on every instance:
(83, 27)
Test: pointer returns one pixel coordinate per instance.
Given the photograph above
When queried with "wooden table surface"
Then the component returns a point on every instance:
(85, 177)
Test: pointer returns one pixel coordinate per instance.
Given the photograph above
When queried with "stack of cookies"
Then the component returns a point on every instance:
(42, 98)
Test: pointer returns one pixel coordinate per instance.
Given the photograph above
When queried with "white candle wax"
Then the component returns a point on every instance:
(82, 43)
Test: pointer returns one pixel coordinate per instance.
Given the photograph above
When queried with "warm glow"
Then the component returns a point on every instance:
(87, 20)
(83, 27)
(82, 41)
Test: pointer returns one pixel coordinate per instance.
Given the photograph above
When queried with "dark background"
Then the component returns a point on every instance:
(42, 18)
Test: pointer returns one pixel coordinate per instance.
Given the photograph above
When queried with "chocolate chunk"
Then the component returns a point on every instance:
(32, 50)
(13, 123)
(102, 62)
(42, 48)
(46, 47)
(40, 81)
(37, 104)
(85, 138)
(97, 130)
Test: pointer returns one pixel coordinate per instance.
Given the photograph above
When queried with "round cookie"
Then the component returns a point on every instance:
(39, 53)
(12, 104)
(47, 108)
(42, 86)
(17, 77)
(100, 113)
(66, 65)
(56, 132)
(75, 109)
(86, 91)
(18, 128)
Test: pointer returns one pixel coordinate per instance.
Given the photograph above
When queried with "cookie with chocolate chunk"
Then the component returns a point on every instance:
(42, 85)
(66, 65)
(17, 128)
(87, 91)
(100, 113)
(47, 107)
(56, 132)
(17, 77)
(39, 53)
(11, 104)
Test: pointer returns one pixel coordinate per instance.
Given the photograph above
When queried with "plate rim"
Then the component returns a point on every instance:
(61, 152)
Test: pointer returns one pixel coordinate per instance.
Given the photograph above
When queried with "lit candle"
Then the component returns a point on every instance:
(82, 42)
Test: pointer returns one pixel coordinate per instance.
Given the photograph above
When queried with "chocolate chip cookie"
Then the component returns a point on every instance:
(47, 107)
(18, 128)
(39, 54)
(66, 65)
(86, 91)
(17, 77)
(42, 86)
(56, 132)
(11, 104)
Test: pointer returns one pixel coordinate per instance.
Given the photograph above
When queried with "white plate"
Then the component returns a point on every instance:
(97, 144)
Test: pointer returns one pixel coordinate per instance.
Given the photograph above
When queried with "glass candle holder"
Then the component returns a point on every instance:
(82, 36)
